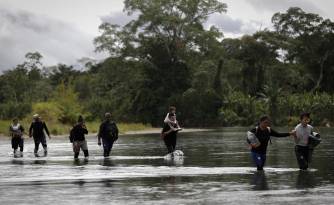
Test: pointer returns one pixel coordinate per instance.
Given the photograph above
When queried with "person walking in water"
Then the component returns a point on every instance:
(16, 132)
(77, 137)
(262, 134)
(169, 132)
(109, 133)
(36, 131)
(302, 137)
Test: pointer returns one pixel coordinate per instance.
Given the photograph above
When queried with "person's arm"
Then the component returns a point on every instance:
(99, 135)
(84, 128)
(30, 130)
(22, 131)
(10, 131)
(166, 120)
(116, 130)
(279, 134)
(21, 128)
(46, 130)
(172, 128)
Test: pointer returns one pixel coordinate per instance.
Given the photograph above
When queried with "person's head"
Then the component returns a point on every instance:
(172, 109)
(305, 118)
(172, 116)
(36, 117)
(15, 121)
(264, 122)
(80, 120)
(107, 116)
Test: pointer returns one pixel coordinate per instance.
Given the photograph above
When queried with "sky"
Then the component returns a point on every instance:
(63, 30)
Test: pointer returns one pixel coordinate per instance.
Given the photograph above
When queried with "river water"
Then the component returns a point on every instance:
(216, 169)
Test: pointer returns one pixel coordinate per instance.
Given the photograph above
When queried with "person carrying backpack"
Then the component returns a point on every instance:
(77, 137)
(109, 133)
(259, 145)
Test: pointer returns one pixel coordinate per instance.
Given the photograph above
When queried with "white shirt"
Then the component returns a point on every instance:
(302, 134)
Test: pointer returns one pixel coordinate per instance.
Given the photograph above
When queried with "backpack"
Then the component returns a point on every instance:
(71, 137)
(111, 131)
(251, 137)
(314, 140)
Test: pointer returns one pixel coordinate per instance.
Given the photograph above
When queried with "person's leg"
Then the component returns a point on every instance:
(84, 148)
(173, 142)
(37, 141)
(107, 146)
(168, 144)
(259, 160)
(76, 149)
(45, 146)
(76, 155)
(15, 145)
(301, 157)
(21, 144)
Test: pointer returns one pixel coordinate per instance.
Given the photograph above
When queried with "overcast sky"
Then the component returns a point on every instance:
(63, 30)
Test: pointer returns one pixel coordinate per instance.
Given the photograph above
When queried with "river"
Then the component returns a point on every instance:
(216, 169)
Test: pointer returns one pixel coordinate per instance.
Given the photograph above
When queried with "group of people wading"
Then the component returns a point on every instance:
(108, 132)
(304, 136)
(257, 138)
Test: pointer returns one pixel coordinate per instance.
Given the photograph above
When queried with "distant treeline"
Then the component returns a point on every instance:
(167, 57)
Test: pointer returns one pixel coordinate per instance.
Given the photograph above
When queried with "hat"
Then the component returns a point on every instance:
(35, 116)
(107, 115)
(80, 119)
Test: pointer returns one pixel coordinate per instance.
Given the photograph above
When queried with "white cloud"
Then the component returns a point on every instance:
(58, 42)
(283, 5)
(119, 18)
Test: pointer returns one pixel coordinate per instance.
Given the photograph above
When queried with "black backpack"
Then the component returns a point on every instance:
(111, 131)
(71, 137)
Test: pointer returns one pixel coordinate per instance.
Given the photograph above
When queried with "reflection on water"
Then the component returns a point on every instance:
(259, 181)
(305, 180)
(216, 171)
(107, 162)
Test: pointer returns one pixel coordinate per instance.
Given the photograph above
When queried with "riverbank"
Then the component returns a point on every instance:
(58, 129)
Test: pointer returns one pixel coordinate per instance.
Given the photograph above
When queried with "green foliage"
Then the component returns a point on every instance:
(167, 56)
(66, 101)
(242, 109)
(14, 110)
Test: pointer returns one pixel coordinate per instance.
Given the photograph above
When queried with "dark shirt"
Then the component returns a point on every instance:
(167, 128)
(108, 130)
(264, 136)
(36, 129)
(78, 132)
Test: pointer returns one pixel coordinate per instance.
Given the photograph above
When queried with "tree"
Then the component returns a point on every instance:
(167, 40)
(308, 39)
